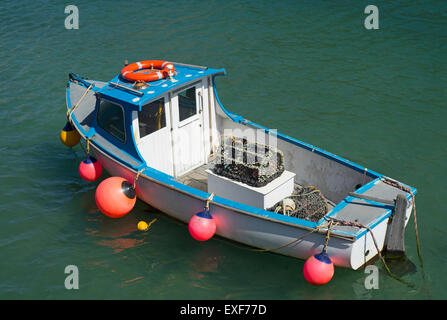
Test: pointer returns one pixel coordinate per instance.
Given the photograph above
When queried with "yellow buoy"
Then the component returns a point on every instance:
(69, 135)
(142, 226)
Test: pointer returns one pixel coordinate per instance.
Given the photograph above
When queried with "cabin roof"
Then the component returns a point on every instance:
(116, 88)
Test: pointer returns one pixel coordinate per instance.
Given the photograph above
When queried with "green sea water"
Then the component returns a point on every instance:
(307, 68)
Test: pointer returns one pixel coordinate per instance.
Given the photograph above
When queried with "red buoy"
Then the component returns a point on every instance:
(90, 169)
(318, 269)
(115, 197)
(202, 226)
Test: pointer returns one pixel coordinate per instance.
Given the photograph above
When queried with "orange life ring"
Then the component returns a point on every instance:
(161, 70)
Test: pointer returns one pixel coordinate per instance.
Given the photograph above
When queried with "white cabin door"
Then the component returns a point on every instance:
(187, 124)
(152, 128)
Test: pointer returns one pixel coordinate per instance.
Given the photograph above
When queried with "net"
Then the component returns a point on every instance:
(307, 203)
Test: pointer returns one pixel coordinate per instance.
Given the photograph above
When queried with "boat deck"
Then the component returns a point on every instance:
(198, 178)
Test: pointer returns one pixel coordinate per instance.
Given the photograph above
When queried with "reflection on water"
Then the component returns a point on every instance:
(117, 235)
(360, 290)
(205, 260)
(401, 267)
(126, 282)
(120, 244)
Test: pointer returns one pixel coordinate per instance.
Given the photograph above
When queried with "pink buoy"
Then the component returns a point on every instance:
(90, 169)
(202, 226)
(115, 197)
(318, 269)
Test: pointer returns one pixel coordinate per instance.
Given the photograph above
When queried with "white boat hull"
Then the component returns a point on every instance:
(250, 229)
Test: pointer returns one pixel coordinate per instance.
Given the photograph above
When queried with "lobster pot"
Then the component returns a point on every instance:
(248, 162)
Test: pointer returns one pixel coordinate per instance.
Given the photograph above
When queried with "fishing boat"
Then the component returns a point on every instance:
(161, 126)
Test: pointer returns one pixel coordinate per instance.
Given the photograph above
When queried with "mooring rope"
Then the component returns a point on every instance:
(418, 246)
(208, 200)
(88, 146)
(317, 228)
(83, 149)
(137, 176)
(71, 110)
(292, 242)
(359, 225)
(150, 223)
(86, 149)
(328, 235)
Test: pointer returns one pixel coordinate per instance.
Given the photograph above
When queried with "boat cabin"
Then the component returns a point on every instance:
(165, 124)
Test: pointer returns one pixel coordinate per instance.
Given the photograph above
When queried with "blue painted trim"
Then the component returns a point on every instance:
(231, 115)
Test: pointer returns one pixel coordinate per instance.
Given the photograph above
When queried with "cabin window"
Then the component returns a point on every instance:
(111, 119)
(152, 117)
(187, 103)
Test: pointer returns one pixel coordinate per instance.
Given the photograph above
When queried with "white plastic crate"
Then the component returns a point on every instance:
(262, 197)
